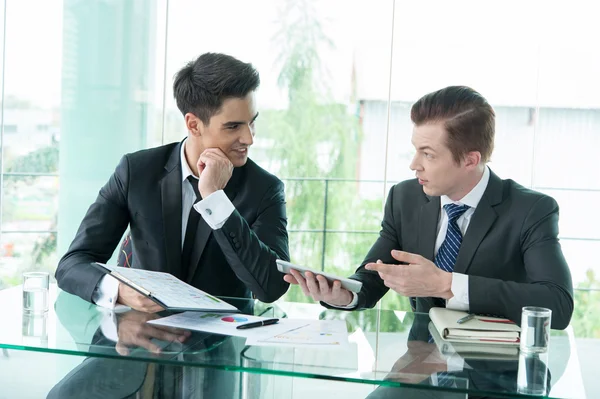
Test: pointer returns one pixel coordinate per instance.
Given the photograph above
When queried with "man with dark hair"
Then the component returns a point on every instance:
(198, 209)
(457, 235)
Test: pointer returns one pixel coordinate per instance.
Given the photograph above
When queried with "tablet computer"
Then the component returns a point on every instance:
(347, 283)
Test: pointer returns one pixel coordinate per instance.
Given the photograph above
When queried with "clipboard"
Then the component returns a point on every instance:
(167, 290)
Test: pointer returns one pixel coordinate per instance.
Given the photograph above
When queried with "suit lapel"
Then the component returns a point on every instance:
(204, 230)
(481, 222)
(428, 221)
(202, 235)
(170, 190)
(232, 187)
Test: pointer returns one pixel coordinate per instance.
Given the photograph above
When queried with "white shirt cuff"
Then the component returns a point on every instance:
(460, 290)
(109, 325)
(106, 292)
(351, 305)
(215, 209)
(455, 363)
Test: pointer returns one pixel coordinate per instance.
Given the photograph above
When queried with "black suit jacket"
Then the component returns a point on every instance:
(145, 193)
(510, 250)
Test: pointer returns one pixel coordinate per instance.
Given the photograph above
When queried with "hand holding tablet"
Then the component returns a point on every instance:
(347, 283)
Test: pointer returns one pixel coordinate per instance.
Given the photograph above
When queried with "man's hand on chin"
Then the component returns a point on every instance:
(214, 170)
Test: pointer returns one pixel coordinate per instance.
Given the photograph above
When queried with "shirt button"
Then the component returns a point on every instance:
(235, 241)
(208, 211)
(232, 234)
(237, 245)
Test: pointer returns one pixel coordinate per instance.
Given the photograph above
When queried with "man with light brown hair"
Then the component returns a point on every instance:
(458, 235)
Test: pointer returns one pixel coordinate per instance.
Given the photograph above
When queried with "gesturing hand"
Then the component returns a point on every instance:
(419, 278)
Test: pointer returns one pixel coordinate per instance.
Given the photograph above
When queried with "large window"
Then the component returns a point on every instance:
(79, 92)
(94, 81)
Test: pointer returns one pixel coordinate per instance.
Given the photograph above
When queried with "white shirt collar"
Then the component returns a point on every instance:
(185, 168)
(474, 196)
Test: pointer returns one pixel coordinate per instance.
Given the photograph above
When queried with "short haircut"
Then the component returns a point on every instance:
(202, 85)
(468, 118)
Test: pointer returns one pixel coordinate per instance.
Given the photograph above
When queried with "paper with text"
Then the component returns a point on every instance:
(226, 324)
(171, 291)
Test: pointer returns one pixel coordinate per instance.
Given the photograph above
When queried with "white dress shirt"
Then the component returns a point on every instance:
(214, 209)
(460, 282)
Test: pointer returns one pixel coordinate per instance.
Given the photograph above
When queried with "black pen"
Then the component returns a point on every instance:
(267, 322)
(465, 319)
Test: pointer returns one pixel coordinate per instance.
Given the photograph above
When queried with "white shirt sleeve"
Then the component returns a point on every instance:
(215, 209)
(460, 289)
(351, 305)
(109, 326)
(455, 363)
(106, 293)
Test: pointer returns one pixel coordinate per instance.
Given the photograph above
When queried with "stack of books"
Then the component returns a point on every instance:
(479, 336)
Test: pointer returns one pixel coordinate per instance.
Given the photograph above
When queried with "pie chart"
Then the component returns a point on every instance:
(234, 319)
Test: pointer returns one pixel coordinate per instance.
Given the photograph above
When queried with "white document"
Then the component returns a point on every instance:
(287, 332)
(313, 334)
(167, 290)
(226, 324)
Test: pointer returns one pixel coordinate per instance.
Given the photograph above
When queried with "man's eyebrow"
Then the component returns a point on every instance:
(233, 123)
(425, 147)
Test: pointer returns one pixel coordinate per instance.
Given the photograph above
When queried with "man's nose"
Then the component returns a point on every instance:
(248, 135)
(414, 165)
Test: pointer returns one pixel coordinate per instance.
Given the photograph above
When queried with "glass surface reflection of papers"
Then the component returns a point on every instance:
(315, 333)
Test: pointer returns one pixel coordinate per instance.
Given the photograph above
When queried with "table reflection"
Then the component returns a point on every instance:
(450, 374)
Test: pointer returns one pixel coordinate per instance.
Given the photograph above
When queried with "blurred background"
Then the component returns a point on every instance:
(84, 82)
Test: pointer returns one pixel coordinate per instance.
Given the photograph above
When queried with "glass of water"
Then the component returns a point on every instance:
(35, 331)
(535, 329)
(35, 292)
(532, 377)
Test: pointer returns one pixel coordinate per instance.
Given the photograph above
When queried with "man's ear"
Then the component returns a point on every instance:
(472, 159)
(194, 125)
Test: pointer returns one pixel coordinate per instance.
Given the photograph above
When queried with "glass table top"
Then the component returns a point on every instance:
(389, 352)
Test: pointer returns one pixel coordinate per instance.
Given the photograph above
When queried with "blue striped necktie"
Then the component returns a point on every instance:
(445, 260)
(444, 379)
(448, 251)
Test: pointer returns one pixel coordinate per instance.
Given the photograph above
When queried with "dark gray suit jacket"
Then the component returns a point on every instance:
(145, 193)
(510, 250)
